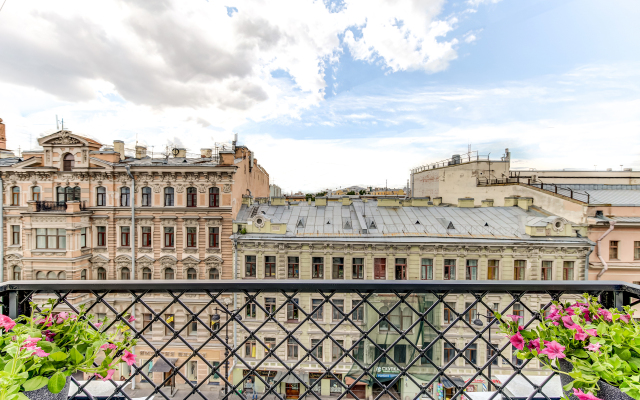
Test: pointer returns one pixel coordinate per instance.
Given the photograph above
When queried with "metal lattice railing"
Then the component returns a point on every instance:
(388, 339)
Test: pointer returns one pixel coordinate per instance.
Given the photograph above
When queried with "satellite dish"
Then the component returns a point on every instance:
(175, 152)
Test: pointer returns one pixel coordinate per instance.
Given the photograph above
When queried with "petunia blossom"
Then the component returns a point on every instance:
(534, 344)
(40, 353)
(514, 318)
(580, 334)
(605, 314)
(625, 318)
(109, 346)
(584, 396)
(553, 350)
(568, 322)
(109, 375)
(517, 341)
(593, 347)
(49, 335)
(554, 313)
(6, 323)
(592, 332)
(129, 358)
(131, 319)
(98, 324)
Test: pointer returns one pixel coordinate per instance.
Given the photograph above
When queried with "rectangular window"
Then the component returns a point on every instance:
(613, 249)
(567, 271)
(514, 358)
(518, 309)
(472, 314)
(493, 270)
(400, 353)
(449, 270)
(317, 308)
(146, 236)
(427, 355)
(636, 250)
(358, 268)
(270, 266)
(426, 269)
(192, 371)
(317, 268)
(250, 308)
(358, 352)
(192, 329)
(472, 353)
(214, 235)
(169, 319)
(146, 321)
(270, 343)
(546, 272)
(338, 268)
(317, 352)
(292, 311)
(124, 236)
(491, 353)
(358, 313)
(379, 350)
(336, 350)
(102, 236)
(448, 315)
(270, 304)
(293, 267)
(15, 234)
(518, 269)
(168, 237)
(250, 266)
(472, 270)
(401, 269)
(449, 352)
(51, 238)
(192, 236)
(250, 348)
(83, 238)
(338, 310)
(379, 268)
(292, 349)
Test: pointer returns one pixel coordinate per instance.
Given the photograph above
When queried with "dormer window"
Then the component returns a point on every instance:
(68, 162)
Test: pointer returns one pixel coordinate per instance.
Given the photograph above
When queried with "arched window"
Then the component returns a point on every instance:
(102, 274)
(384, 323)
(15, 196)
(146, 274)
(124, 196)
(68, 162)
(83, 275)
(16, 273)
(214, 274)
(62, 276)
(101, 196)
(192, 197)
(168, 273)
(40, 276)
(396, 317)
(125, 274)
(146, 196)
(192, 274)
(35, 193)
(407, 319)
(168, 196)
(52, 276)
(214, 197)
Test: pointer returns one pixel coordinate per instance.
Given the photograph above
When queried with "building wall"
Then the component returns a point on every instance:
(625, 267)
(585, 177)
(248, 177)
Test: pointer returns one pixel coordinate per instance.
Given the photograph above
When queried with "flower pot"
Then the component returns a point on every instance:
(606, 392)
(44, 394)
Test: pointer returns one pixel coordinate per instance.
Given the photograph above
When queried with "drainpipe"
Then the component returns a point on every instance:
(133, 250)
(586, 263)
(235, 303)
(1, 230)
(604, 264)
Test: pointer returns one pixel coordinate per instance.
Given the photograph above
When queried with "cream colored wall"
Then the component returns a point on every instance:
(587, 177)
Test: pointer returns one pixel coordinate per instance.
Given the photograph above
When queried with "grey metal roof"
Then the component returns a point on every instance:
(623, 220)
(366, 219)
(615, 197)
(5, 162)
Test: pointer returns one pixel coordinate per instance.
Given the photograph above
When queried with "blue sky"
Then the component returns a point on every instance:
(334, 94)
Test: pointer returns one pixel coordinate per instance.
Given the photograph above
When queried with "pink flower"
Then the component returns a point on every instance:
(592, 332)
(553, 350)
(534, 344)
(605, 314)
(584, 396)
(515, 318)
(521, 328)
(47, 322)
(109, 346)
(556, 323)
(40, 353)
(6, 323)
(49, 335)
(593, 347)
(61, 317)
(129, 358)
(517, 341)
(131, 318)
(98, 324)
(109, 375)
(580, 334)
(625, 318)
(568, 322)
(554, 313)
(34, 339)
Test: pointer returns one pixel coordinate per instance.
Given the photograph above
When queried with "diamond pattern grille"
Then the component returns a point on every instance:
(409, 340)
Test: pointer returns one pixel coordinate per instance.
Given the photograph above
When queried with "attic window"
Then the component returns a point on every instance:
(417, 222)
(451, 226)
(599, 214)
(486, 224)
(328, 222)
(373, 225)
(347, 225)
(300, 223)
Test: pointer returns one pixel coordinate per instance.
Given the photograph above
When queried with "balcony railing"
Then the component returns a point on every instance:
(387, 339)
(56, 206)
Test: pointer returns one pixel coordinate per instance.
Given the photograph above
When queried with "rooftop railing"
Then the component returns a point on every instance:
(388, 339)
(550, 187)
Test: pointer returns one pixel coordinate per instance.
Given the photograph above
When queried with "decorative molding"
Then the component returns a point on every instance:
(145, 250)
(168, 222)
(191, 250)
(213, 250)
(214, 222)
(48, 219)
(190, 221)
(226, 188)
(100, 250)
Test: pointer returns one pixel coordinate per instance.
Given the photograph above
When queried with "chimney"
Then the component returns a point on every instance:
(437, 201)
(141, 152)
(346, 200)
(487, 203)
(182, 152)
(321, 201)
(3, 137)
(511, 201)
(118, 147)
(525, 202)
(277, 201)
(466, 202)
(205, 153)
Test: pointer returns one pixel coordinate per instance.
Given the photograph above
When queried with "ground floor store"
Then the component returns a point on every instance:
(291, 386)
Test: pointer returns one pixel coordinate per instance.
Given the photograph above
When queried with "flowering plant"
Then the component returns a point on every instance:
(600, 343)
(45, 348)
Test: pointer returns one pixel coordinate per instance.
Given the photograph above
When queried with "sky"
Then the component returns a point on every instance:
(332, 93)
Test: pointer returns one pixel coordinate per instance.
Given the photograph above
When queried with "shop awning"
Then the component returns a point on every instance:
(161, 365)
(453, 381)
(290, 378)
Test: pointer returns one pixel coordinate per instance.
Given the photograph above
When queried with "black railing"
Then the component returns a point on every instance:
(388, 339)
(59, 206)
(550, 187)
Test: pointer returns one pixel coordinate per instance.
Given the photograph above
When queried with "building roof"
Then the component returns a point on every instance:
(6, 162)
(159, 162)
(615, 197)
(367, 219)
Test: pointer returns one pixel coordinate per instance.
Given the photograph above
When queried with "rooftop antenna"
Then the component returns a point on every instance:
(62, 123)
(57, 123)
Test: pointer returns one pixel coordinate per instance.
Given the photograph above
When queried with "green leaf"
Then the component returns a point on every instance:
(625, 354)
(75, 356)
(568, 386)
(580, 353)
(58, 356)
(21, 396)
(35, 383)
(57, 382)
(47, 347)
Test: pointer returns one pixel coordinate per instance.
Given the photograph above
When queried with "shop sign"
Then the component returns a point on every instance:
(386, 375)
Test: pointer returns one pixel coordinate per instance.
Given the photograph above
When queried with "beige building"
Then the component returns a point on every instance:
(390, 239)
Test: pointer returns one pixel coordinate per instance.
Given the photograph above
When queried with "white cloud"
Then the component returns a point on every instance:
(476, 3)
